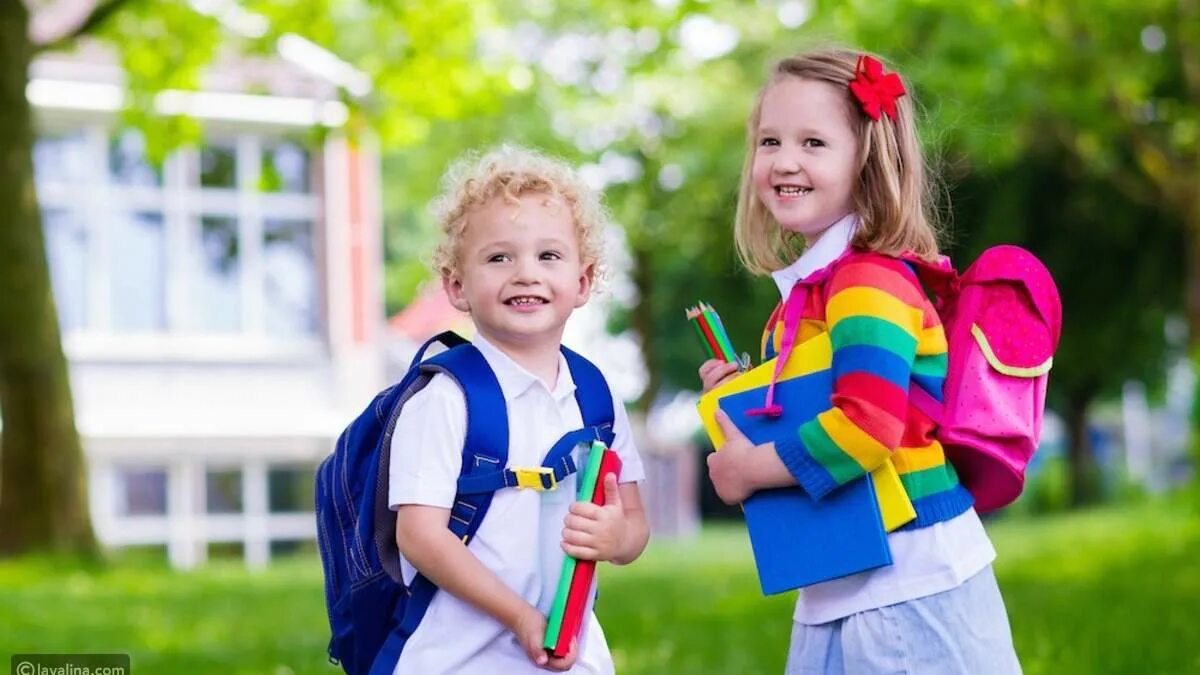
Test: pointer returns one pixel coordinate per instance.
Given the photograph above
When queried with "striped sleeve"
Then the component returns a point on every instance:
(874, 313)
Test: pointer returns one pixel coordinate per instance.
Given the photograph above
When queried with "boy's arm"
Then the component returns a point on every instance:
(637, 530)
(425, 541)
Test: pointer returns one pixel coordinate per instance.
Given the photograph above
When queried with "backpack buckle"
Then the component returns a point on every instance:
(541, 478)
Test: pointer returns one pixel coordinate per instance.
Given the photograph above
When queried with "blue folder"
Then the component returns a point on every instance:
(799, 541)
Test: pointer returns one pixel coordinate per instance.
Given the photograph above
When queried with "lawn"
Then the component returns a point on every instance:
(1108, 591)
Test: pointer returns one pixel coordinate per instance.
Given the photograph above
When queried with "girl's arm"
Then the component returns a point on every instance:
(875, 319)
(875, 316)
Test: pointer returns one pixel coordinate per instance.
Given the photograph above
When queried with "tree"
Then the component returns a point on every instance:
(43, 496)
(1102, 104)
(422, 57)
(1119, 266)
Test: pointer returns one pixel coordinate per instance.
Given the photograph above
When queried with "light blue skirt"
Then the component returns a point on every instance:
(962, 630)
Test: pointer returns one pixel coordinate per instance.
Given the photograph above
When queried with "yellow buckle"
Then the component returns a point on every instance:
(540, 478)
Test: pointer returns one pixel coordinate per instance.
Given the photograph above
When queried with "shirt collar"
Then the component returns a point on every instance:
(832, 243)
(515, 379)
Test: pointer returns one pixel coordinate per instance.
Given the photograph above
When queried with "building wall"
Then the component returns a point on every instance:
(221, 311)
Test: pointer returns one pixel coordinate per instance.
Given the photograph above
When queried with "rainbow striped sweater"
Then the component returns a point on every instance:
(886, 335)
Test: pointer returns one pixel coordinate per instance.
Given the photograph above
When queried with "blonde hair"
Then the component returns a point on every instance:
(892, 196)
(511, 172)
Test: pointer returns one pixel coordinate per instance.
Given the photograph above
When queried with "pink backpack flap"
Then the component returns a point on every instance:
(1003, 318)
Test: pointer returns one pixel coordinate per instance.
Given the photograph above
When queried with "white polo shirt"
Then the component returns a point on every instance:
(521, 535)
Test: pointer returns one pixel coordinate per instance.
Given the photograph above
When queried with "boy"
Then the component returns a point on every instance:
(521, 250)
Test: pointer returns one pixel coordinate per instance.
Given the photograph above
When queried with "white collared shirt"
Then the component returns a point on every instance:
(832, 242)
(924, 561)
(520, 537)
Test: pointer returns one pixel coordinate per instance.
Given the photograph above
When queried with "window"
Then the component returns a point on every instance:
(223, 491)
(66, 252)
(60, 158)
(290, 489)
(216, 279)
(218, 166)
(127, 162)
(141, 491)
(285, 169)
(214, 241)
(288, 283)
(138, 300)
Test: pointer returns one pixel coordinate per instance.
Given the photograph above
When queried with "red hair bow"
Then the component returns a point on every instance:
(875, 90)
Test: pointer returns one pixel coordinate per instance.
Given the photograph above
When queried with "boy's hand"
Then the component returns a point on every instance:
(530, 631)
(726, 468)
(564, 663)
(715, 372)
(596, 532)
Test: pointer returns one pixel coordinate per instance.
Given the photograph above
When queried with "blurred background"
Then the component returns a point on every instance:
(215, 252)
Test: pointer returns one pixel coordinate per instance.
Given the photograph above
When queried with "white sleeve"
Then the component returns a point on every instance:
(427, 446)
(625, 446)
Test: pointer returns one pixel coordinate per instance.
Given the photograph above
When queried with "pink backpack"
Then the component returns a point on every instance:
(1002, 317)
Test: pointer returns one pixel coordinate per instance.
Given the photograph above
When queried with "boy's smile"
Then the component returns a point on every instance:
(519, 274)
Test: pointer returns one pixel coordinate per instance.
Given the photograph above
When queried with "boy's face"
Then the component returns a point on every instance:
(519, 271)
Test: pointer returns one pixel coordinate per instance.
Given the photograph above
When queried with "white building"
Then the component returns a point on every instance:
(222, 313)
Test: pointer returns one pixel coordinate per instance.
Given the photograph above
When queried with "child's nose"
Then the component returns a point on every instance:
(525, 271)
(787, 162)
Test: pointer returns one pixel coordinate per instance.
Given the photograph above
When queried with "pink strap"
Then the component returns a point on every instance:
(942, 279)
(793, 308)
(926, 403)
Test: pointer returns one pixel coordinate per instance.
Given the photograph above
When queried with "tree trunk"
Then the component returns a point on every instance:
(643, 325)
(43, 489)
(1081, 462)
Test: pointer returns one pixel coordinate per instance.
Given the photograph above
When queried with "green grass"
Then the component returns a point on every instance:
(1109, 591)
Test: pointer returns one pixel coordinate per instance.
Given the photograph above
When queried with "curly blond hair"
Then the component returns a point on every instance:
(893, 195)
(510, 172)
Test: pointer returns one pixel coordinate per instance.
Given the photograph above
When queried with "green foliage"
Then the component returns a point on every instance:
(1119, 266)
(1047, 491)
(1077, 587)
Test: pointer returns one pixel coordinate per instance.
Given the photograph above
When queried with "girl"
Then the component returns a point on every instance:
(833, 163)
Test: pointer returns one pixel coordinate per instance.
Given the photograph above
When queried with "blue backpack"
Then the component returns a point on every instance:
(372, 613)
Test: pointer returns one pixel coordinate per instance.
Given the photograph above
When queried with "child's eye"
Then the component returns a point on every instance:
(498, 258)
(768, 141)
(550, 255)
(813, 143)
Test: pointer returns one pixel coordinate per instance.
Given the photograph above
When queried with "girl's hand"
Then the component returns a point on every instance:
(596, 532)
(727, 467)
(715, 372)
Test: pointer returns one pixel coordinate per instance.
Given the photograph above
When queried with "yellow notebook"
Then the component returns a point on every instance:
(811, 357)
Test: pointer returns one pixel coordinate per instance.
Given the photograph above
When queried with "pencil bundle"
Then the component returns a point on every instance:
(712, 333)
(576, 583)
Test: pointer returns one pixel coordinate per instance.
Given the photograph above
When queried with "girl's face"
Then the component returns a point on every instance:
(806, 156)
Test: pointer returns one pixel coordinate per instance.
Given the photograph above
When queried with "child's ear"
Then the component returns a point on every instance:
(586, 279)
(454, 292)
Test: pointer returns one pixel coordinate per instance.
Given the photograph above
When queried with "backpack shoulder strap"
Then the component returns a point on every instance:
(939, 277)
(594, 397)
(485, 447)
